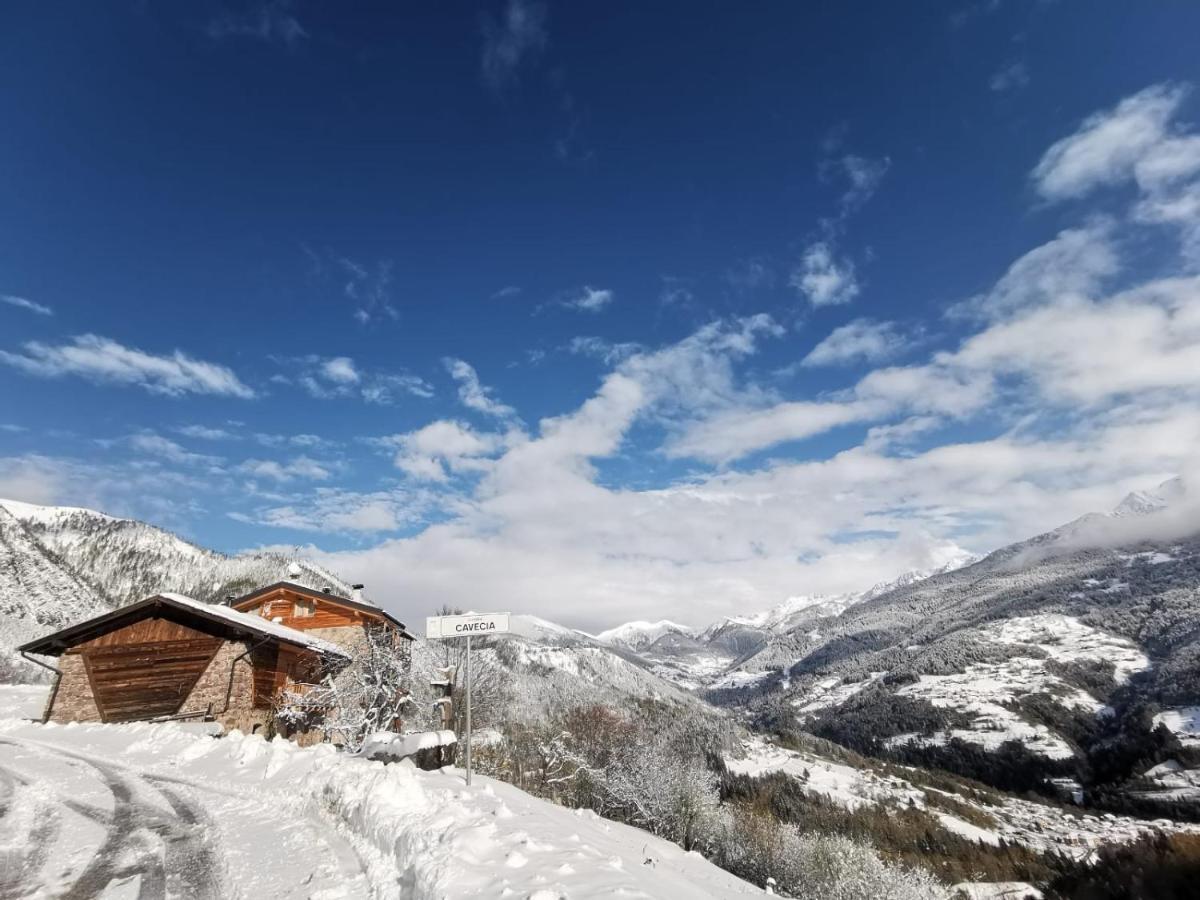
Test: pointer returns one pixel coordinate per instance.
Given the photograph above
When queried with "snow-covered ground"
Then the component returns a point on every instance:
(163, 811)
(982, 689)
(1035, 825)
(1184, 722)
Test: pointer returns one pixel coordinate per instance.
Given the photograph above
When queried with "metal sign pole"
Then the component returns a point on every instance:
(438, 628)
(468, 710)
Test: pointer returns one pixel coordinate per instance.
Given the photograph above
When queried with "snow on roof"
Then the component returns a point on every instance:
(259, 624)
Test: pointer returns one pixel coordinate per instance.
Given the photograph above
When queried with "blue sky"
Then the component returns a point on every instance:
(607, 310)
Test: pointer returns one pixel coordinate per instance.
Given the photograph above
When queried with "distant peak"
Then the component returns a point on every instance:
(1144, 503)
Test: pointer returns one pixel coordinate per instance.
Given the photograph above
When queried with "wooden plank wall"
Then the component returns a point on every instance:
(146, 679)
(282, 605)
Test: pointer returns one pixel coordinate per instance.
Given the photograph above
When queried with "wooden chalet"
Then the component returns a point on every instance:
(341, 620)
(171, 656)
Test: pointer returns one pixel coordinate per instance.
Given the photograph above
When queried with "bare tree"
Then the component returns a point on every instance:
(368, 696)
(489, 689)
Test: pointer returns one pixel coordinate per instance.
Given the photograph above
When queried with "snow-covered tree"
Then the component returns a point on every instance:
(368, 696)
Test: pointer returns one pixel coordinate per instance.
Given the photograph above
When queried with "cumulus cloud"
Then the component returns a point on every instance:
(442, 448)
(1137, 141)
(472, 393)
(340, 370)
(862, 339)
(103, 360)
(1113, 145)
(518, 36)
(22, 303)
(823, 278)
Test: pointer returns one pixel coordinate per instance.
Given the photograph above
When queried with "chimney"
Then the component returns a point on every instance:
(229, 598)
(356, 592)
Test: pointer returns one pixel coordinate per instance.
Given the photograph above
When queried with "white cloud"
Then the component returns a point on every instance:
(1075, 264)
(599, 348)
(440, 448)
(824, 279)
(472, 393)
(335, 511)
(300, 467)
(862, 339)
(736, 433)
(1010, 77)
(520, 35)
(1136, 141)
(156, 445)
(589, 299)
(338, 377)
(1109, 146)
(103, 360)
(22, 303)
(340, 370)
(205, 433)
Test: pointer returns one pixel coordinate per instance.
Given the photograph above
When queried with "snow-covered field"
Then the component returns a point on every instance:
(163, 811)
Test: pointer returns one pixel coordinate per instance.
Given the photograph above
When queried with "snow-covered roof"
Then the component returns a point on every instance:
(259, 624)
(55, 643)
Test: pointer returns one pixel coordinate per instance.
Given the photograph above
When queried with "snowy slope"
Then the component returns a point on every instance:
(338, 827)
(127, 560)
(38, 593)
(1014, 647)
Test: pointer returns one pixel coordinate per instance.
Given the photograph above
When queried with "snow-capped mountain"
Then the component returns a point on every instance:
(1029, 644)
(697, 658)
(62, 564)
(639, 635)
(38, 593)
(126, 560)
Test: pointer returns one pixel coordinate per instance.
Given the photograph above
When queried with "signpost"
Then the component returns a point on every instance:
(439, 628)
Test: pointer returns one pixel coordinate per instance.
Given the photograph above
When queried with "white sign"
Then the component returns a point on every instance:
(440, 627)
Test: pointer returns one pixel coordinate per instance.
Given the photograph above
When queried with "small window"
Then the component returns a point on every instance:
(305, 607)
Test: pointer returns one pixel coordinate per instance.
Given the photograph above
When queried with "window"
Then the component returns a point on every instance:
(305, 607)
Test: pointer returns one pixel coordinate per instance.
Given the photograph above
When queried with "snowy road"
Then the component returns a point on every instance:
(93, 828)
(143, 812)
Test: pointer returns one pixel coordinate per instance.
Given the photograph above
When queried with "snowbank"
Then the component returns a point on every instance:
(418, 834)
(389, 746)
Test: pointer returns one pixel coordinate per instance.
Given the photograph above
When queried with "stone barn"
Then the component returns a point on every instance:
(171, 656)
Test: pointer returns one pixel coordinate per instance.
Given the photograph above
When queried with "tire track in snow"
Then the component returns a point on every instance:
(163, 850)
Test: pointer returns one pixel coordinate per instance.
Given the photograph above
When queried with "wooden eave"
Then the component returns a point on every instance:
(59, 642)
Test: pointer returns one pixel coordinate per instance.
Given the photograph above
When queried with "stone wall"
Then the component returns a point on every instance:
(73, 701)
(227, 688)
